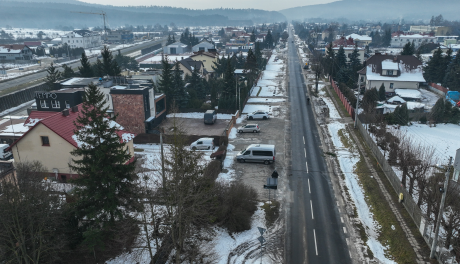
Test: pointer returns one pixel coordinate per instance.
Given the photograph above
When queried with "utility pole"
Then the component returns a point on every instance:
(441, 209)
(357, 101)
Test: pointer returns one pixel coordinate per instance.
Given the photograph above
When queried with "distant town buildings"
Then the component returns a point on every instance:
(82, 39)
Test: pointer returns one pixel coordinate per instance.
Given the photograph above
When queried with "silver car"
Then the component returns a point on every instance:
(259, 114)
(254, 128)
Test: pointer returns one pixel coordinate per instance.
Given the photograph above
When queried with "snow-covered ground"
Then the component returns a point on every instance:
(348, 158)
(250, 108)
(269, 84)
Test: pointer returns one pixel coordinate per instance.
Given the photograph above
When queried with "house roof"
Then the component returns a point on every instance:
(12, 48)
(209, 54)
(190, 64)
(345, 42)
(177, 44)
(359, 37)
(409, 68)
(64, 126)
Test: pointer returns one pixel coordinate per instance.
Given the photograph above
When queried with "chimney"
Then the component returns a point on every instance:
(75, 108)
(65, 112)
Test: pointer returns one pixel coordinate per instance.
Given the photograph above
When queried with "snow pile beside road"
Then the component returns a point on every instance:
(197, 115)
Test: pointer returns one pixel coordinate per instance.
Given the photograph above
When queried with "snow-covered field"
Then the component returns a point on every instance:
(265, 100)
(32, 32)
(269, 84)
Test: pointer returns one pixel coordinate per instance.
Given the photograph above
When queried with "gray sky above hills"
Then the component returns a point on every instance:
(270, 5)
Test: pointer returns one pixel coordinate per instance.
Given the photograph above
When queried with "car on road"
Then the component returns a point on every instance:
(252, 128)
(203, 143)
(257, 153)
(259, 114)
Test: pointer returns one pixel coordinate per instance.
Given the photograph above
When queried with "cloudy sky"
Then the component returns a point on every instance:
(205, 4)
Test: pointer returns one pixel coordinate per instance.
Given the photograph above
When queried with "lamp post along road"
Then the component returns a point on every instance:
(357, 101)
(441, 209)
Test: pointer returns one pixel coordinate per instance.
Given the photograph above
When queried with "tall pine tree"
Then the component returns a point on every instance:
(85, 68)
(165, 83)
(108, 66)
(106, 188)
(434, 69)
(179, 94)
(53, 76)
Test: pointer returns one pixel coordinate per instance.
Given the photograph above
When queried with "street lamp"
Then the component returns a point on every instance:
(162, 157)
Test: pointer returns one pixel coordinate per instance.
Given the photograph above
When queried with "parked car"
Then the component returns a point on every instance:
(203, 143)
(254, 128)
(257, 153)
(4, 155)
(210, 117)
(259, 114)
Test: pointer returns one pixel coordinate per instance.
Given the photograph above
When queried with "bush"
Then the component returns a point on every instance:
(423, 119)
(205, 106)
(212, 170)
(238, 204)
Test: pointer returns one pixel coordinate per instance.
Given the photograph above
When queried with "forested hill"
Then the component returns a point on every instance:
(48, 14)
(376, 10)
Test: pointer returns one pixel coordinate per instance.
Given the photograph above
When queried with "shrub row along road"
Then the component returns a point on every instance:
(315, 233)
(40, 75)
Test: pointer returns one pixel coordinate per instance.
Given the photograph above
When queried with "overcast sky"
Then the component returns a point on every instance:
(271, 5)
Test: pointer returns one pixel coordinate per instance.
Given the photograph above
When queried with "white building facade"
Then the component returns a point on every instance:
(399, 41)
(82, 39)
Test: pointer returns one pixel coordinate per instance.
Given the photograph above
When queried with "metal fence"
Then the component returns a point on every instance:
(14, 99)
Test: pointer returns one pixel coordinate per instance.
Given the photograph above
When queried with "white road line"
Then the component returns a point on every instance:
(306, 165)
(304, 150)
(304, 140)
(345, 230)
(341, 219)
(316, 247)
(309, 191)
(311, 205)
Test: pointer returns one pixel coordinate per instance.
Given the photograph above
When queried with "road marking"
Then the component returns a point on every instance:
(304, 140)
(345, 230)
(341, 219)
(316, 247)
(306, 164)
(309, 186)
(311, 205)
(304, 150)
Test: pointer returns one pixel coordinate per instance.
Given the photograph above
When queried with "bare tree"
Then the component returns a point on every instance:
(30, 218)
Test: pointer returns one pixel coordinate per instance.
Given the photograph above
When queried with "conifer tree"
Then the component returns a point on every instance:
(253, 36)
(108, 66)
(269, 40)
(250, 67)
(382, 96)
(355, 64)
(165, 83)
(407, 49)
(432, 70)
(85, 68)
(169, 41)
(341, 58)
(106, 192)
(53, 76)
(258, 54)
(68, 72)
(179, 95)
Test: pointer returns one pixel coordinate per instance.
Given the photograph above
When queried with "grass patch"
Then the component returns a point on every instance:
(138, 150)
(331, 154)
(395, 240)
(272, 211)
(260, 90)
(20, 87)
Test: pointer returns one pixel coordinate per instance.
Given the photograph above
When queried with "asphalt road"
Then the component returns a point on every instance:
(40, 75)
(315, 231)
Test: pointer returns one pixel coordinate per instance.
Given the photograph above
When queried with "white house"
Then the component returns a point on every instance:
(399, 40)
(395, 72)
(175, 48)
(203, 46)
(82, 39)
(360, 40)
(15, 52)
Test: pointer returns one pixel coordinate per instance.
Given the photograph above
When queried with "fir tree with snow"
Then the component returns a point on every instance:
(53, 76)
(85, 68)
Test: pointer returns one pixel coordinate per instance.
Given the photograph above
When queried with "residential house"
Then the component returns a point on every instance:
(175, 48)
(349, 46)
(360, 40)
(188, 65)
(208, 59)
(51, 138)
(15, 53)
(401, 72)
(203, 46)
(399, 40)
(82, 39)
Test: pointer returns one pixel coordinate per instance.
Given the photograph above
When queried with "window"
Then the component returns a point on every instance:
(391, 85)
(389, 72)
(247, 152)
(43, 104)
(55, 104)
(262, 153)
(67, 104)
(45, 141)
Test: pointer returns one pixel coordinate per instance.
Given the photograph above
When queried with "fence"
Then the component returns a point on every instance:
(348, 107)
(14, 99)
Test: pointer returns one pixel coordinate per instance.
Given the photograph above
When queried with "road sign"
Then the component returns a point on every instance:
(261, 240)
(272, 183)
(261, 230)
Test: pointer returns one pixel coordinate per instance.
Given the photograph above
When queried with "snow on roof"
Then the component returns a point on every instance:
(359, 37)
(396, 99)
(414, 36)
(414, 105)
(389, 65)
(409, 93)
(72, 81)
(406, 75)
(10, 51)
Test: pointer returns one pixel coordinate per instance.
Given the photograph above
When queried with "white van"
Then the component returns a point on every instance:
(257, 153)
(203, 143)
(5, 155)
